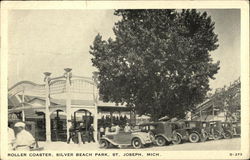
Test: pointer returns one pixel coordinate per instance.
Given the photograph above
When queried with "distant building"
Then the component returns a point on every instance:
(208, 111)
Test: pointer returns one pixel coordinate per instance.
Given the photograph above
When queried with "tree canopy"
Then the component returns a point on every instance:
(159, 62)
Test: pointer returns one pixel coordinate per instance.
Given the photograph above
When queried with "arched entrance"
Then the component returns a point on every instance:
(58, 125)
(83, 118)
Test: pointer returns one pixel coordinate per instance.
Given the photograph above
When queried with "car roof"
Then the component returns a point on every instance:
(192, 121)
(214, 121)
(153, 123)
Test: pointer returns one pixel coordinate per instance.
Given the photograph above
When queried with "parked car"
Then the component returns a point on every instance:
(236, 128)
(182, 132)
(192, 131)
(214, 130)
(228, 130)
(163, 132)
(136, 139)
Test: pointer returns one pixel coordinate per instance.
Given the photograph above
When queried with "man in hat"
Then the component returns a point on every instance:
(127, 128)
(24, 140)
(72, 134)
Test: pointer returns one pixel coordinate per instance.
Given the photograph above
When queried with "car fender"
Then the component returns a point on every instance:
(110, 141)
(231, 132)
(140, 137)
(179, 135)
(162, 135)
(199, 134)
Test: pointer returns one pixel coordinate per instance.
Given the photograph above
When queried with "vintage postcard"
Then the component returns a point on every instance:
(124, 80)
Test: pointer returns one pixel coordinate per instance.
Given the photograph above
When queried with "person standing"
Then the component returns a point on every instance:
(91, 133)
(189, 115)
(81, 130)
(102, 131)
(11, 139)
(72, 134)
(24, 140)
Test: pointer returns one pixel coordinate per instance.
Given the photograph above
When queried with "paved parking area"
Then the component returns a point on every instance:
(223, 144)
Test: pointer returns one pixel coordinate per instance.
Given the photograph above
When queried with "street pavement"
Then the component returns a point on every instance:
(223, 144)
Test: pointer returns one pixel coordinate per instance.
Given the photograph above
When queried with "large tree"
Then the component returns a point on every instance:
(159, 62)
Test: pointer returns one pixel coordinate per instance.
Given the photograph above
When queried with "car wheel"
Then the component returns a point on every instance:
(104, 143)
(194, 137)
(227, 135)
(160, 141)
(136, 143)
(178, 140)
(216, 135)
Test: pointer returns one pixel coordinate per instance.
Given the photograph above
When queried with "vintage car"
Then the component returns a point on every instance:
(192, 131)
(182, 132)
(228, 130)
(213, 130)
(236, 128)
(135, 138)
(163, 132)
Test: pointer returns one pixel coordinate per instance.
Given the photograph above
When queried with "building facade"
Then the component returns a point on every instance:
(54, 105)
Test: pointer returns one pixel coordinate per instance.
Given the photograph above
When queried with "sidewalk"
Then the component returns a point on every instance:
(63, 146)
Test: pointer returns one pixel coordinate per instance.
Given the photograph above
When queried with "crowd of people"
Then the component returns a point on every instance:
(20, 139)
(114, 129)
(107, 121)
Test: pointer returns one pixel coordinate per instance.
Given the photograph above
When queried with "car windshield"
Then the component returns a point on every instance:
(204, 124)
(147, 127)
(180, 125)
(191, 124)
(174, 126)
(224, 124)
(136, 127)
(152, 127)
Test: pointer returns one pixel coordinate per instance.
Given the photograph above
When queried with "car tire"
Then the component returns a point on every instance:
(216, 135)
(104, 143)
(194, 138)
(227, 135)
(160, 141)
(178, 140)
(136, 143)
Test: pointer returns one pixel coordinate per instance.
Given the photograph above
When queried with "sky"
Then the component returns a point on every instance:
(51, 40)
